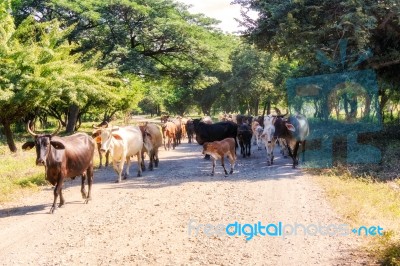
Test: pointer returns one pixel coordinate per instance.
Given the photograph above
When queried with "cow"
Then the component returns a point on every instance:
(294, 131)
(169, 131)
(184, 124)
(96, 136)
(64, 157)
(152, 140)
(257, 132)
(178, 133)
(212, 132)
(268, 137)
(164, 118)
(190, 130)
(123, 143)
(207, 120)
(220, 149)
(244, 136)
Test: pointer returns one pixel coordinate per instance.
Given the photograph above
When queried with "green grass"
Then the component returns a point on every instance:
(367, 201)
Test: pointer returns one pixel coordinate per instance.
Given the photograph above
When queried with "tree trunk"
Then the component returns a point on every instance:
(9, 136)
(72, 118)
(257, 107)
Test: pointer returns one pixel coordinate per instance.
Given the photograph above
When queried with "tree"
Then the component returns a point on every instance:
(37, 70)
(253, 78)
(298, 29)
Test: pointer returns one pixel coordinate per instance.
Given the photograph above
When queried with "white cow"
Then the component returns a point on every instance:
(123, 142)
(268, 137)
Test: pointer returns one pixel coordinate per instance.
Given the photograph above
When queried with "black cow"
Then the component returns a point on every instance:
(212, 132)
(294, 131)
(244, 135)
(190, 130)
(64, 157)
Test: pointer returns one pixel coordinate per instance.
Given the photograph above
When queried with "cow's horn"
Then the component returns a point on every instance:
(58, 129)
(278, 112)
(29, 129)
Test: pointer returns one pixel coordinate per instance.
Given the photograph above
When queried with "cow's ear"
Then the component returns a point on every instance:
(117, 136)
(96, 133)
(290, 127)
(57, 145)
(97, 139)
(28, 145)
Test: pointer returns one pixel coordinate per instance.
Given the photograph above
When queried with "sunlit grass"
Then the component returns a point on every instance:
(364, 201)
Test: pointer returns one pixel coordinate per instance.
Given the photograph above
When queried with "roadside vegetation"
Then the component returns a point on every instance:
(81, 63)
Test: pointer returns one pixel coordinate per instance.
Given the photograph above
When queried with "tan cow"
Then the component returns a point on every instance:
(152, 140)
(220, 149)
(169, 131)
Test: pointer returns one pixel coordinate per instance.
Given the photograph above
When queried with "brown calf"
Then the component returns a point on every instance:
(220, 149)
(169, 131)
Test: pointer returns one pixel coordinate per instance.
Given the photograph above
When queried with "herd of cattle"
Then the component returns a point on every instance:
(71, 156)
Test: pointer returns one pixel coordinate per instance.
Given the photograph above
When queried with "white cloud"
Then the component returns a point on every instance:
(218, 9)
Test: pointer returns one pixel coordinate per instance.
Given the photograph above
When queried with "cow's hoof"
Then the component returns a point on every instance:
(231, 172)
(52, 209)
(117, 181)
(139, 175)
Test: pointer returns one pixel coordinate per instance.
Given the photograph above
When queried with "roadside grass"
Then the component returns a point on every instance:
(19, 174)
(369, 195)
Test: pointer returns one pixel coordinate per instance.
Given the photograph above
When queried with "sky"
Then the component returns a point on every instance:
(219, 9)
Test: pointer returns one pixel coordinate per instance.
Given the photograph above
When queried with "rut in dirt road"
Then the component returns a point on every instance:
(154, 219)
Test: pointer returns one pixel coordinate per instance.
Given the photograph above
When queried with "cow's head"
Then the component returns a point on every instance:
(208, 148)
(106, 136)
(43, 144)
(268, 133)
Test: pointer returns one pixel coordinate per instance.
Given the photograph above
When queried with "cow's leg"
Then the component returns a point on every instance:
(139, 163)
(156, 160)
(232, 162)
(151, 160)
(107, 158)
(83, 191)
(223, 165)
(119, 166)
(100, 155)
(128, 164)
(213, 167)
(89, 175)
(57, 192)
(249, 147)
(142, 165)
(62, 201)
(295, 159)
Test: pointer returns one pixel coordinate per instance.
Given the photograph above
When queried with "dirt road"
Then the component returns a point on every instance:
(145, 221)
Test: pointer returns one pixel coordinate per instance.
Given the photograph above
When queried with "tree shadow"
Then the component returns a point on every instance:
(24, 210)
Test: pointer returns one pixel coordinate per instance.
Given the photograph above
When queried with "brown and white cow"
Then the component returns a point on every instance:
(169, 134)
(64, 157)
(257, 132)
(123, 143)
(220, 149)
